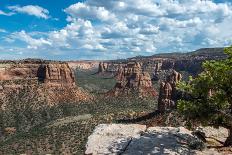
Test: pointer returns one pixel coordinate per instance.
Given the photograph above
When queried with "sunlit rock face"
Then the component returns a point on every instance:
(83, 65)
(56, 75)
(53, 80)
(131, 79)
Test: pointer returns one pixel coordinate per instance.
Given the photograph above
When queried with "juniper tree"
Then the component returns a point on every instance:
(210, 95)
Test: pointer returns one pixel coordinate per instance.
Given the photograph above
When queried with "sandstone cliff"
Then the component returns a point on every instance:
(55, 79)
(131, 79)
(168, 94)
(57, 75)
(83, 65)
(102, 67)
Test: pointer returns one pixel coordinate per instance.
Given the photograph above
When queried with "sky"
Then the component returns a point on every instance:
(111, 29)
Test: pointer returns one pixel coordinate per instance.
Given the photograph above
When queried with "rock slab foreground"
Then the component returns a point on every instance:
(135, 139)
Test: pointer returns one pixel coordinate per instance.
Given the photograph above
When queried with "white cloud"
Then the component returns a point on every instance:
(173, 23)
(81, 10)
(107, 29)
(33, 10)
(6, 14)
(2, 31)
(32, 43)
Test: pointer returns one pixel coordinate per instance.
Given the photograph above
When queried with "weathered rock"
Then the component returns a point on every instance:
(62, 95)
(9, 130)
(102, 67)
(157, 69)
(131, 79)
(18, 71)
(137, 140)
(57, 75)
(54, 79)
(83, 65)
(168, 92)
(112, 139)
(218, 134)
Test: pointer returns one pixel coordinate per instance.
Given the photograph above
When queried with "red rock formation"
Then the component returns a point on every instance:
(53, 79)
(57, 75)
(131, 79)
(167, 93)
(18, 71)
(102, 67)
(156, 70)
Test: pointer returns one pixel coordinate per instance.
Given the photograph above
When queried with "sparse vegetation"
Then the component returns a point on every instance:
(94, 83)
(49, 133)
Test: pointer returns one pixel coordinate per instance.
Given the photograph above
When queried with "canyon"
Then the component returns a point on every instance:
(47, 102)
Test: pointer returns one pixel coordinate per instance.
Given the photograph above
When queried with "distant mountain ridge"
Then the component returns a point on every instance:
(205, 52)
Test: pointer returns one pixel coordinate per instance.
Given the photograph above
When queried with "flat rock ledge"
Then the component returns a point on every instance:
(135, 139)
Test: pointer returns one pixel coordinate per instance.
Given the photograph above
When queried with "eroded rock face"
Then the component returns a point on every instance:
(18, 71)
(156, 71)
(102, 67)
(53, 79)
(56, 75)
(131, 79)
(168, 92)
(83, 65)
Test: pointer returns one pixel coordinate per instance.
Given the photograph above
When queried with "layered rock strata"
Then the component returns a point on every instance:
(55, 80)
(131, 79)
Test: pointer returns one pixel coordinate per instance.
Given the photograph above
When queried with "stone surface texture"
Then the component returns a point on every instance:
(134, 139)
(168, 92)
(132, 79)
(53, 80)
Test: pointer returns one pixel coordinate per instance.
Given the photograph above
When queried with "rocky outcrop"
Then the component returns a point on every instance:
(137, 139)
(49, 73)
(57, 75)
(156, 70)
(55, 80)
(83, 65)
(102, 67)
(112, 139)
(131, 79)
(18, 71)
(168, 92)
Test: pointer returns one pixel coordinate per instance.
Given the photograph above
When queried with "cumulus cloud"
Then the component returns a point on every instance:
(81, 10)
(32, 43)
(108, 29)
(33, 10)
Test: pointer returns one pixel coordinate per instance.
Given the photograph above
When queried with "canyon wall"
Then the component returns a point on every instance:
(54, 80)
(83, 65)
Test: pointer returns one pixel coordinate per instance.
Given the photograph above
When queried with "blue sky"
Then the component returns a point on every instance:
(110, 29)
